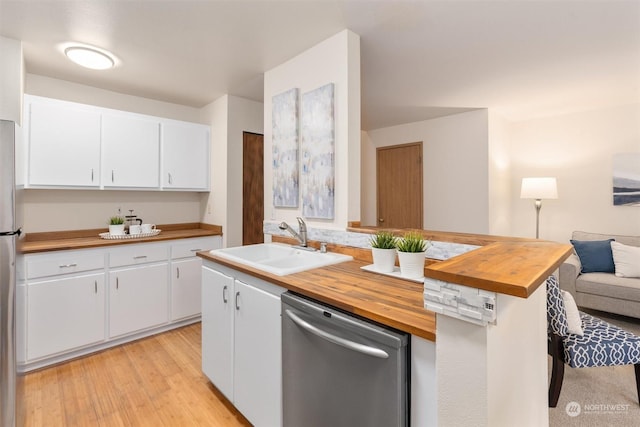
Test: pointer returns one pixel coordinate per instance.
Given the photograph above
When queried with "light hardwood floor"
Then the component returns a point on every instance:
(156, 381)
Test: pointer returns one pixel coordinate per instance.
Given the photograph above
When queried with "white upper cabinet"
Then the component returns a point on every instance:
(130, 151)
(64, 144)
(185, 156)
(72, 145)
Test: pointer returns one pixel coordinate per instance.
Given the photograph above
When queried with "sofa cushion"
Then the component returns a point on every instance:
(574, 322)
(627, 240)
(608, 285)
(626, 259)
(595, 255)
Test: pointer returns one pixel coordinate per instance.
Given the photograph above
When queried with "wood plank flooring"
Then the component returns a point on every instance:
(156, 381)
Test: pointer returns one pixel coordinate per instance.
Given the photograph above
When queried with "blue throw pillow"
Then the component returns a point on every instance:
(595, 255)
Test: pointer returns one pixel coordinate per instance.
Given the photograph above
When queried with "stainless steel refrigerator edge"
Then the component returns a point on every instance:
(9, 232)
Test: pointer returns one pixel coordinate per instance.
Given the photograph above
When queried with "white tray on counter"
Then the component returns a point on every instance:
(128, 236)
(395, 273)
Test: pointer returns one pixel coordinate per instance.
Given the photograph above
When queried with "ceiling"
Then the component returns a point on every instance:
(419, 59)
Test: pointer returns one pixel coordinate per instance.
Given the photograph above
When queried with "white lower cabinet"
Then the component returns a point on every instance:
(241, 342)
(186, 275)
(74, 302)
(138, 298)
(257, 370)
(217, 329)
(185, 288)
(64, 314)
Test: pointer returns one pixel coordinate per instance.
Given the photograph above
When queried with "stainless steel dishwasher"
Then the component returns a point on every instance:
(339, 370)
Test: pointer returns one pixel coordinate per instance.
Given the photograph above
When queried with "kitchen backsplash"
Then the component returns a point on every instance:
(437, 250)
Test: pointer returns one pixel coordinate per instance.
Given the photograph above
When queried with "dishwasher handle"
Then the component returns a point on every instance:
(360, 348)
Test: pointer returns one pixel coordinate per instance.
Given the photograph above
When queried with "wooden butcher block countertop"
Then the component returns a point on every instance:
(387, 300)
(85, 239)
(509, 266)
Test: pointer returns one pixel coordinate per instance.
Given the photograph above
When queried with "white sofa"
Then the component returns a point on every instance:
(601, 291)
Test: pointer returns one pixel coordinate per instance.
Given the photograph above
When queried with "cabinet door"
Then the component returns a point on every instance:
(186, 288)
(138, 298)
(217, 329)
(64, 314)
(64, 145)
(258, 357)
(130, 151)
(185, 156)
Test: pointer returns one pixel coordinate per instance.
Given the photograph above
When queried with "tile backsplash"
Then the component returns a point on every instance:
(437, 250)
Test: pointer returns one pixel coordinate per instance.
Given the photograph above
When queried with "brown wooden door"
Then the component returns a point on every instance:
(253, 188)
(399, 186)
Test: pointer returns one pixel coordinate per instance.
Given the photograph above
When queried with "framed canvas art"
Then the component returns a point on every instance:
(626, 179)
(317, 153)
(284, 126)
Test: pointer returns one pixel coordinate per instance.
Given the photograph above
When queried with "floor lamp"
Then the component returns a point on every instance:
(539, 188)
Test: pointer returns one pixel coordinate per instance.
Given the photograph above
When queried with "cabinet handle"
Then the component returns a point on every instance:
(140, 257)
(170, 178)
(95, 286)
(92, 175)
(178, 272)
(237, 305)
(224, 294)
(196, 250)
(117, 283)
(112, 175)
(68, 265)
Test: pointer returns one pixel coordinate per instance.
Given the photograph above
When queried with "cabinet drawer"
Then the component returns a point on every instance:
(189, 247)
(138, 254)
(63, 263)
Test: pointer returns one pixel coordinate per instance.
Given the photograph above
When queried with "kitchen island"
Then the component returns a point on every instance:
(482, 375)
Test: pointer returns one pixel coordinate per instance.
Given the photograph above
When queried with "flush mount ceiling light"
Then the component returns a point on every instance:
(90, 56)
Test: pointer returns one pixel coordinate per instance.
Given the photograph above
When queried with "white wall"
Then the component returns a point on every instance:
(335, 60)
(59, 210)
(68, 91)
(577, 149)
(55, 210)
(499, 176)
(229, 117)
(456, 171)
(214, 203)
(244, 115)
(11, 80)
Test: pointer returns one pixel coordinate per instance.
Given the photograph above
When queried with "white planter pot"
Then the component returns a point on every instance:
(411, 264)
(116, 230)
(384, 259)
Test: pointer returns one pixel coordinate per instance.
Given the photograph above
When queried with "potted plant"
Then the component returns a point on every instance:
(383, 249)
(411, 249)
(116, 225)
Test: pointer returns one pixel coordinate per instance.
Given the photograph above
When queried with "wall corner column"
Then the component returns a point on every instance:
(496, 374)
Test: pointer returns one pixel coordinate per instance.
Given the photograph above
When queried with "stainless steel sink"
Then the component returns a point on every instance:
(278, 258)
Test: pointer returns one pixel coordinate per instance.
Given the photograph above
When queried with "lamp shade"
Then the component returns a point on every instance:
(539, 188)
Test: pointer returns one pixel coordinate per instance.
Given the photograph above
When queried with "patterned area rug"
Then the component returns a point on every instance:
(603, 396)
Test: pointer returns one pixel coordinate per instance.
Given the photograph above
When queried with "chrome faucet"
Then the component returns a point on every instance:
(302, 231)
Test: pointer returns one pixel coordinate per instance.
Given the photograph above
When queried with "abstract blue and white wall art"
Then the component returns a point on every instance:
(317, 159)
(626, 179)
(284, 125)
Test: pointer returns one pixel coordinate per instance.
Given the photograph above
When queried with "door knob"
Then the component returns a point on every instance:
(380, 219)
